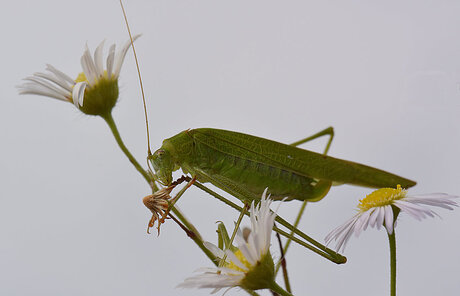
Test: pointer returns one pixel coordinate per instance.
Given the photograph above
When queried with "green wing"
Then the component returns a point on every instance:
(300, 161)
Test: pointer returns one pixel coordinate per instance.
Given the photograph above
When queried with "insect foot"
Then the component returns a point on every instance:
(158, 204)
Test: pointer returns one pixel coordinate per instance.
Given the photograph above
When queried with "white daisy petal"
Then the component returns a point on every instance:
(343, 239)
(362, 220)
(413, 208)
(235, 260)
(60, 74)
(380, 217)
(444, 202)
(35, 89)
(58, 85)
(55, 79)
(78, 94)
(337, 231)
(47, 85)
(214, 249)
(88, 66)
(254, 246)
(248, 256)
(376, 210)
(110, 61)
(120, 56)
(98, 59)
(373, 218)
(388, 219)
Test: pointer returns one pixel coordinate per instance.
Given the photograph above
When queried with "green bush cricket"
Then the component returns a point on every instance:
(244, 165)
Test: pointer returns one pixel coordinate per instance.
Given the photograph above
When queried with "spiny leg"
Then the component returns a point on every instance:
(160, 202)
(313, 245)
(174, 200)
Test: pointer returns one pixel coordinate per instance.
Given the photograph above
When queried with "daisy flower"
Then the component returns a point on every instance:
(250, 265)
(94, 91)
(381, 207)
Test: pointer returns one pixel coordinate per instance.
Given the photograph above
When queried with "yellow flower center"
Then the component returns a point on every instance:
(243, 260)
(81, 78)
(381, 197)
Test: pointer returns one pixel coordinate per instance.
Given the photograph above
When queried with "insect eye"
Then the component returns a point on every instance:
(160, 152)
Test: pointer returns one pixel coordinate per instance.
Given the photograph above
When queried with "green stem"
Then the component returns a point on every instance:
(392, 240)
(277, 289)
(237, 226)
(194, 235)
(111, 123)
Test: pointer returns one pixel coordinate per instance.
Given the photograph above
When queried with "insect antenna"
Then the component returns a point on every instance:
(149, 152)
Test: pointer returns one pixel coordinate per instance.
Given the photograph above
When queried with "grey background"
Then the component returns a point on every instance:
(386, 75)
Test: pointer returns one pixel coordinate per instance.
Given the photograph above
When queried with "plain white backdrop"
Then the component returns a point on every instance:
(386, 75)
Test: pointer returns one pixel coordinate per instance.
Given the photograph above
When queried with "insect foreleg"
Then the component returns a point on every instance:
(175, 199)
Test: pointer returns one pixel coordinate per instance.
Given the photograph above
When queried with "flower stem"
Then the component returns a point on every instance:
(194, 235)
(392, 240)
(111, 123)
(277, 289)
(283, 264)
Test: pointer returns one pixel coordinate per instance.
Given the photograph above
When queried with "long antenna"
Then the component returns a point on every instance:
(140, 79)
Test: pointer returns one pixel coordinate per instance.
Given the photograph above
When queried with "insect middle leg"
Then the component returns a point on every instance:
(325, 132)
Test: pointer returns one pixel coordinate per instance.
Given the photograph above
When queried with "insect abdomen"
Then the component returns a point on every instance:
(255, 176)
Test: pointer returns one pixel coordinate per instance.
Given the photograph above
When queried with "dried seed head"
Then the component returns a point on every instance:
(158, 204)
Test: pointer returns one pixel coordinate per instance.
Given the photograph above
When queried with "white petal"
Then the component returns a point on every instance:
(60, 74)
(98, 59)
(235, 260)
(247, 254)
(253, 246)
(373, 217)
(214, 249)
(361, 223)
(120, 56)
(217, 279)
(380, 217)
(110, 59)
(342, 233)
(405, 207)
(79, 93)
(48, 85)
(436, 200)
(35, 89)
(56, 79)
(88, 66)
(389, 219)
(343, 240)
(338, 230)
